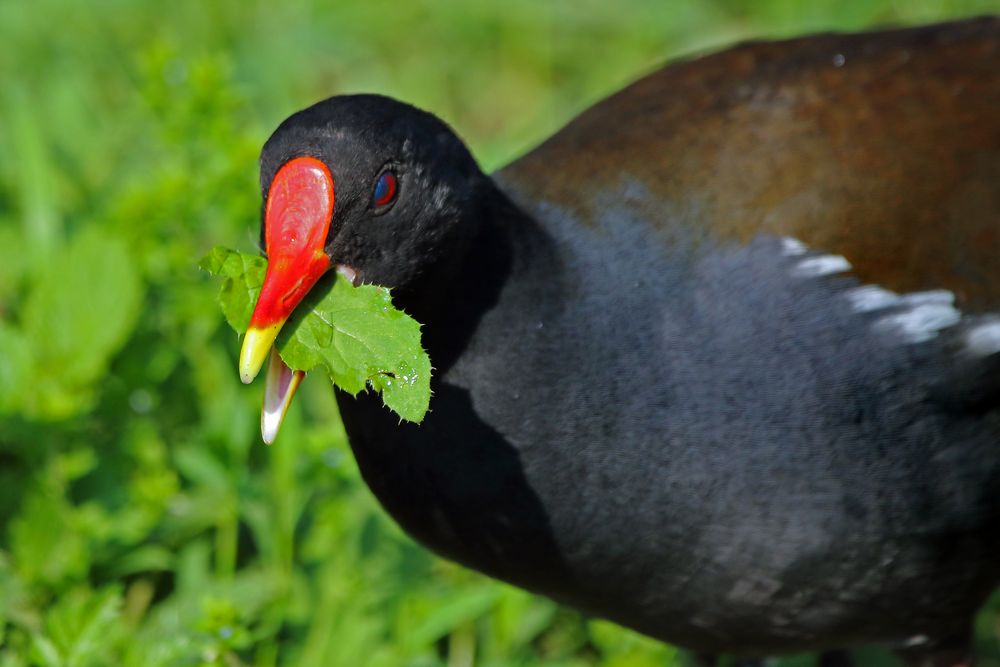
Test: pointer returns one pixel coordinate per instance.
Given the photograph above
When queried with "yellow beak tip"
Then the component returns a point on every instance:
(256, 347)
(247, 374)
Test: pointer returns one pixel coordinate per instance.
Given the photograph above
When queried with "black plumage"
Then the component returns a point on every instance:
(651, 400)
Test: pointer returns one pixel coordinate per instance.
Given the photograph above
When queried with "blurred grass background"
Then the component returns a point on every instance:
(141, 520)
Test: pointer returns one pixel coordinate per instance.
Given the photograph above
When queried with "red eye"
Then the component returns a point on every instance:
(385, 189)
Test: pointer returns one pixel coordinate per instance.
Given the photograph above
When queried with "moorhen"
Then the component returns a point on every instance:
(719, 361)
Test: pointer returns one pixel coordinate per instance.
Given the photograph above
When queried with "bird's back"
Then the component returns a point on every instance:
(883, 147)
(677, 413)
(785, 456)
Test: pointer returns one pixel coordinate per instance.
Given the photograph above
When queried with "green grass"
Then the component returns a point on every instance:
(141, 521)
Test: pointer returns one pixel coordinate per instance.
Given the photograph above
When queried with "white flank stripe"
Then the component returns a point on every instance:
(930, 296)
(792, 247)
(985, 338)
(921, 323)
(821, 266)
(867, 298)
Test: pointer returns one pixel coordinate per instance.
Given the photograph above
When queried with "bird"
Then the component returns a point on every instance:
(718, 361)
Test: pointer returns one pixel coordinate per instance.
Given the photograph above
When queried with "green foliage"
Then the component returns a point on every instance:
(354, 333)
(141, 521)
(73, 335)
(243, 276)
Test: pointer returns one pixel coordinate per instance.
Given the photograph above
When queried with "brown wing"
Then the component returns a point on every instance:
(883, 147)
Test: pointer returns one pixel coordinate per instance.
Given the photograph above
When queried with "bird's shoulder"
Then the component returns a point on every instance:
(882, 147)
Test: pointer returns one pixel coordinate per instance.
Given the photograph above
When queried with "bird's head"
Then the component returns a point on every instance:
(371, 187)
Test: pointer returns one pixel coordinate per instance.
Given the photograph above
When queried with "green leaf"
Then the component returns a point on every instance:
(80, 628)
(77, 316)
(462, 607)
(46, 547)
(244, 274)
(354, 333)
(15, 367)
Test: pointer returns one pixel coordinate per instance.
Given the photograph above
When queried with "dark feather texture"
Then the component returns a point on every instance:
(652, 404)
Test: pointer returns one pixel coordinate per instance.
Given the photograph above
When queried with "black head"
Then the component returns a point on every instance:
(381, 191)
(405, 185)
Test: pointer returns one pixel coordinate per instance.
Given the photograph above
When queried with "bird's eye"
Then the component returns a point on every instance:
(385, 189)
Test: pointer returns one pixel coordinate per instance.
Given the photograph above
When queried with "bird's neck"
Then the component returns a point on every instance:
(455, 482)
(451, 297)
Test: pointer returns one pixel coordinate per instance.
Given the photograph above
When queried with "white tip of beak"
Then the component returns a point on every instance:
(279, 388)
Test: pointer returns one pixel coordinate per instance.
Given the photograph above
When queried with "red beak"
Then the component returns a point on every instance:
(296, 222)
